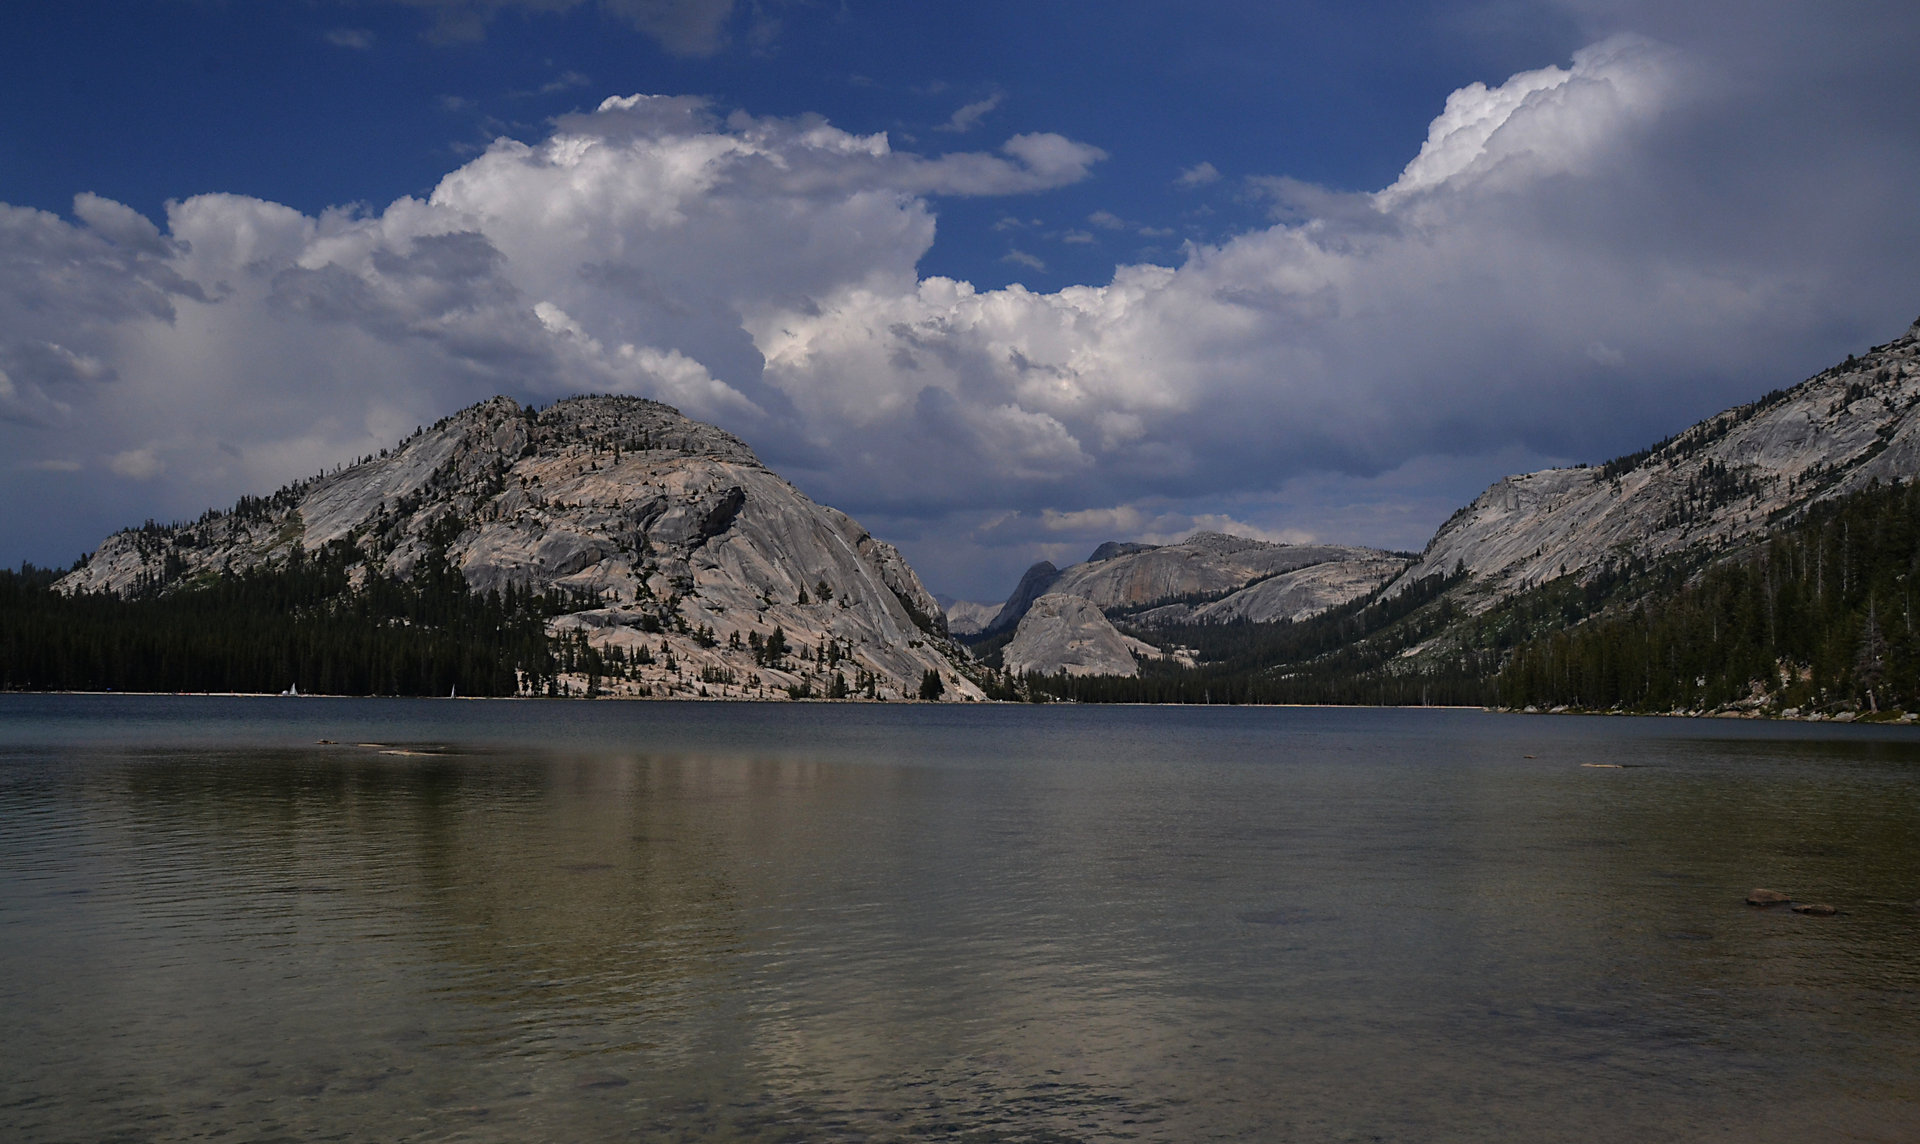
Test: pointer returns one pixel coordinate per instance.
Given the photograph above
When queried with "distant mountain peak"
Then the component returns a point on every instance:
(1208, 577)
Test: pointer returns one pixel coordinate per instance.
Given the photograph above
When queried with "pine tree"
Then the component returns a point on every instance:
(931, 687)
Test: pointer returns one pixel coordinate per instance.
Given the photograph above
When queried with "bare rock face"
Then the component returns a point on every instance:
(967, 618)
(1715, 485)
(1306, 592)
(690, 548)
(1067, 633)
(1236, 578)
(1036, 582)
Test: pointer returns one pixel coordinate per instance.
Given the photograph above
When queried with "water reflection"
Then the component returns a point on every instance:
(1269, 926)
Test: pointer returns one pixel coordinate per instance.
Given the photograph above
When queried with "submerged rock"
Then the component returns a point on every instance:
(1767, 898)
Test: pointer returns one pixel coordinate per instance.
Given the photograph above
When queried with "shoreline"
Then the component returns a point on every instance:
(1894, 718)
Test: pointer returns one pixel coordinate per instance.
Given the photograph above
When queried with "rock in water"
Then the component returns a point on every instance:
(1067, 633)
(1767, 898)
(690, 549)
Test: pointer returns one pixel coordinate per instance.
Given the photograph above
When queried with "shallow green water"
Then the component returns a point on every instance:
(566, 921)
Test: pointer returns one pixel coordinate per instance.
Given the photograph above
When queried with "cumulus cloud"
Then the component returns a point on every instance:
(1578, 259)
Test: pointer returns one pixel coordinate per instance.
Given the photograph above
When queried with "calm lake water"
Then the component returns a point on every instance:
(522, 921)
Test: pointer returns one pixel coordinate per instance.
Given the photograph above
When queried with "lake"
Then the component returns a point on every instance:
(525, 920)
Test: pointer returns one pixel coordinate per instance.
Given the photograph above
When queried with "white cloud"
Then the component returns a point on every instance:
(1022, 258)
(969, 116)
(1545, 122)
(565, 81)
(1198, 175)
(1579, 259)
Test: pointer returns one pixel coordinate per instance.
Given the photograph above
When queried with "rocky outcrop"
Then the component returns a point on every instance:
(1721, 482)
(1067, 633)
(682, 545)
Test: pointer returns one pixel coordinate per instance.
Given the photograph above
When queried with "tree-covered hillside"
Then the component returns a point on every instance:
(1820, 615)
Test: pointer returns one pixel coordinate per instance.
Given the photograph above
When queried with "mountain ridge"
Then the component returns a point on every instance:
(1721, 481)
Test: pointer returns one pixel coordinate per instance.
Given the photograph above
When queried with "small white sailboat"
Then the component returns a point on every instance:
(292, 690)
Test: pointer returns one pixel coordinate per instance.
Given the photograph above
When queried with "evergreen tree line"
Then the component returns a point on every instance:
(301, 622)
(1821, 616)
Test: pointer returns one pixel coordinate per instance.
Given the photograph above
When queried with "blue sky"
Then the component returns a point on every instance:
(316, 105)
(1003, 280)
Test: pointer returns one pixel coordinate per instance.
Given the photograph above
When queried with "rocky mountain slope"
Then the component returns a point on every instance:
(686, 554)
(967, 617)
(1210, 575)
(1068, 633)
(1718, 483)
(1286, 596)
